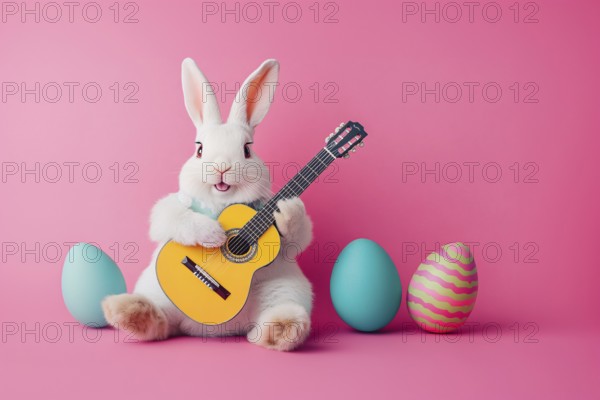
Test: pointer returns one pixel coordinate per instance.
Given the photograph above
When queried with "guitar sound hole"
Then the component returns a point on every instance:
(238, 246)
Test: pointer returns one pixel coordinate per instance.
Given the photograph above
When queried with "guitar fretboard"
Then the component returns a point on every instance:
(258, 225)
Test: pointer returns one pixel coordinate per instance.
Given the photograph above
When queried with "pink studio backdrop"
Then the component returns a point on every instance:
(480, 131)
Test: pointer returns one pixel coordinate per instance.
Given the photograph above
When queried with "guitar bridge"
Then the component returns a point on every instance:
(205, 278)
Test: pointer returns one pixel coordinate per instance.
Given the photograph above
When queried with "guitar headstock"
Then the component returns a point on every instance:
(345, 139)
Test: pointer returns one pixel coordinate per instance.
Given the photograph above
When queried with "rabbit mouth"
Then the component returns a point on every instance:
(222, 187)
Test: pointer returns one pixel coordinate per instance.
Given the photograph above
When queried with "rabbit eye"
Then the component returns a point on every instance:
(199, 151)
(247, 150)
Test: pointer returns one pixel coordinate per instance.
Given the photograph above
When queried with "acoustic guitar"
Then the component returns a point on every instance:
(211, 285)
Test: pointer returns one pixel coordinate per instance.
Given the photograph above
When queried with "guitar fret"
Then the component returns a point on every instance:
(322, 162)
(310, 169)
(297, 184)
(305, 180)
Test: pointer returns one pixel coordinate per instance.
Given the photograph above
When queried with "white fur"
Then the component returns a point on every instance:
(277, 314)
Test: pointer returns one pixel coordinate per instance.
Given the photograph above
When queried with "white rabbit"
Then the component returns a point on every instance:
(277, 313)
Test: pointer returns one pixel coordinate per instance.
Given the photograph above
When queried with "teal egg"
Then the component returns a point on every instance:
(365, 286)
(88, 276)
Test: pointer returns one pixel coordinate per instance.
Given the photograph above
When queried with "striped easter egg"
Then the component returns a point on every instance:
(442, 292)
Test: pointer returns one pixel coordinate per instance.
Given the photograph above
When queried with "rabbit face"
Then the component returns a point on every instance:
(224, 168)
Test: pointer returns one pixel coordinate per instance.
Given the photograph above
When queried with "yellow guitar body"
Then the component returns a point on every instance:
(211, 285)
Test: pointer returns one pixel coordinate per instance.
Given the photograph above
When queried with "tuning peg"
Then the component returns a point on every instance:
(361, 144)
(347, 155)
(337, 129)
(353, 150)
(328, 138)
(342, 124)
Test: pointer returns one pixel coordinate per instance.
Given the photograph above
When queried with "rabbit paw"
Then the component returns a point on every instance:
(200, 230)
(283, 327)
(293, 222)
(136, 314)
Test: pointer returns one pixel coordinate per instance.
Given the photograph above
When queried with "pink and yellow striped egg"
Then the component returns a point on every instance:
(442, 292)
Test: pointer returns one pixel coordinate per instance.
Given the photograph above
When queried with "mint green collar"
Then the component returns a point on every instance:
(197, 206)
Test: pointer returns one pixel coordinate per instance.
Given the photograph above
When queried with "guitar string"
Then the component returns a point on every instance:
(263, 222)
(263, 219)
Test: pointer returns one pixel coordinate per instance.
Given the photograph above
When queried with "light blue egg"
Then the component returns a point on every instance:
(365, 286)
(88, 276)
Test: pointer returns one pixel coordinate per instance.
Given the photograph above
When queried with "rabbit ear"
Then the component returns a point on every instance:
(256, 94)
(200, 99)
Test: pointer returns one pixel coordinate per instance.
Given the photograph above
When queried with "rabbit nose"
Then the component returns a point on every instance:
(223, 168)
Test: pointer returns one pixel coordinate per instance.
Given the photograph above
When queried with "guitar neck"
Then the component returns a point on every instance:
(257, 226)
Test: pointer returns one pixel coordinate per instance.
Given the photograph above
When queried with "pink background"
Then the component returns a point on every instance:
(543, 298)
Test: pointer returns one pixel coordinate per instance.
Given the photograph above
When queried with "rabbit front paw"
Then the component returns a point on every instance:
(293, 222)
(200, 230)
